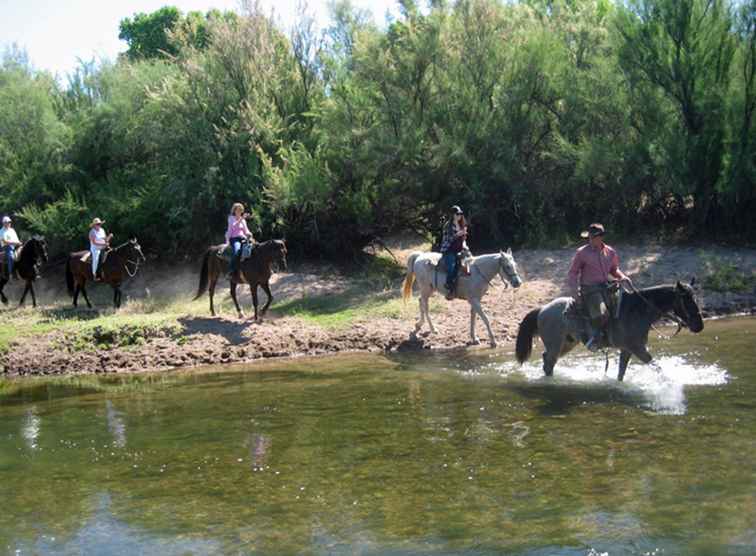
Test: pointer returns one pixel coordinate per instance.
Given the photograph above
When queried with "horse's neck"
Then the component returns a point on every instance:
(487, 264)
(655, 301)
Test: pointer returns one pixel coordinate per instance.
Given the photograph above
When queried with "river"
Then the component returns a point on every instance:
(455, 453)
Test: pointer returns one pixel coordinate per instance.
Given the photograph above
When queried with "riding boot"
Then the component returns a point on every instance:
(450, 291)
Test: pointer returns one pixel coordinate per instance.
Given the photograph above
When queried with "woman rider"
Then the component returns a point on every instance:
(452, 243)
(9, 241)
(236, 234)
(98, 240)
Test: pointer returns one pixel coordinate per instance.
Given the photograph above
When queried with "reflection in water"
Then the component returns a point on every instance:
(104, 534)
(30, 428)
(259, 445)
(116, 425)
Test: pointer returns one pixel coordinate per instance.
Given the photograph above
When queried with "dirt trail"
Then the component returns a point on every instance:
(202, 340)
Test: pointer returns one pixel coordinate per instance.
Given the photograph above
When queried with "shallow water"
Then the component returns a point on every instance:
(416, 454)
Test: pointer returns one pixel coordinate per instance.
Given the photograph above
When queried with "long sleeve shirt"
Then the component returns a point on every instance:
(8, 236)
(592, 266)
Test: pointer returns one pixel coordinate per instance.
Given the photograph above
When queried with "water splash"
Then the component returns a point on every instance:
(658, 386)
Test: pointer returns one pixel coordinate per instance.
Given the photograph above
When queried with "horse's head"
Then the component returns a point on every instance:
(686, 308)
(279, 252)
(136, 249)
(508, 268)
(40, 248)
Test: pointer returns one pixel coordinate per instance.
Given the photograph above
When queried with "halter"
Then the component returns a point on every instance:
(488, 280)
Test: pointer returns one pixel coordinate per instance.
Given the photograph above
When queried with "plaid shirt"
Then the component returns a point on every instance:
(449, 237)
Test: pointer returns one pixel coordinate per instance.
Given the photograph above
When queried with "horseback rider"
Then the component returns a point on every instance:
(9, 241)
(452, 244)
(237, 233)
(594, 268)
(99, 240)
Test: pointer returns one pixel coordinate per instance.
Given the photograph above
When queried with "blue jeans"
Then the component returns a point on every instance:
(450, 258)
(236, 245)
(9, 252)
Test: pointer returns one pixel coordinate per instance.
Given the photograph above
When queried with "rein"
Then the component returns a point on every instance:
(668, 314)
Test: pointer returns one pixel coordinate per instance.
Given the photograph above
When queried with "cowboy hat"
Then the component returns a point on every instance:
(96, 221)
(6, 219)
(593, 231)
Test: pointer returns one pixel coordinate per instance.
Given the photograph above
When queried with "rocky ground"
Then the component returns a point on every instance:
(196, 338)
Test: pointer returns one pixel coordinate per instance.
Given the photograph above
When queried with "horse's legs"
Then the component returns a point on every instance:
(211, 292)
(475, 304)
(84, 293)
(549, 360)
(623, 361)
(117, 296)
(641, 353)
(266, 288)
(426, 308)
(4, 299)
(473, 338)
(34, 296)
(76, 294)
(23, 295)
(253, 291)
(236, 302)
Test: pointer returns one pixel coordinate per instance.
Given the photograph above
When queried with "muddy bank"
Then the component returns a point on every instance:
(198, 339)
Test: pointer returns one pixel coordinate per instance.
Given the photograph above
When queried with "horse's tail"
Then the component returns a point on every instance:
(203, 275)
(528, 329)
(69, 277)
(410, 278)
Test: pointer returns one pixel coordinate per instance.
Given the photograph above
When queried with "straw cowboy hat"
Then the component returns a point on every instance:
(96, 221)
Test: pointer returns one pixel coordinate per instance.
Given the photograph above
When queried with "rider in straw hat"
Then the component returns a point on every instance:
(98, 240)
(9, 241)
(594, 267)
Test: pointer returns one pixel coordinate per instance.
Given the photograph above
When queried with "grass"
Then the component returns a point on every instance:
(723, 276)
(374, 292)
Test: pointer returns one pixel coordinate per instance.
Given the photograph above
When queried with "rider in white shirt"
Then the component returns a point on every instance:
(98, 240)
(9, 241)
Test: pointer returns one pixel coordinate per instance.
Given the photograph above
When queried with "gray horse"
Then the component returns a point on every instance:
(483, 269)
(560, 326)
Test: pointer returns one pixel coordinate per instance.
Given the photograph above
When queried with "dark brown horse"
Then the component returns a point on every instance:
(31, 255)
(256, 271)
(120, 262)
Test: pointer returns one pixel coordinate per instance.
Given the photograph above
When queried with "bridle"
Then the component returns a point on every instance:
(671, 315)
(498, 270)
(128, 261)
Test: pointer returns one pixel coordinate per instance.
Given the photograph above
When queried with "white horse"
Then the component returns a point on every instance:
(483, 269)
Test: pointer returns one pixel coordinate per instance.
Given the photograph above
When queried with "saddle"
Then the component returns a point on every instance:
(612, 298)
(462, 268)
(226, 252)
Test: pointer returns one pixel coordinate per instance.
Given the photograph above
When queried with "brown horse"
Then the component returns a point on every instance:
(32, 254)
(256, 271)
(120, 261)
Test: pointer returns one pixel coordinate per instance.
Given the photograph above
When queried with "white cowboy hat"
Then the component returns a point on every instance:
(96, 221)
(6, 219)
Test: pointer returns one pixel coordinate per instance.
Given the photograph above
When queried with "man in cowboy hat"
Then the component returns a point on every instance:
(98, 241)
(593, 269)
(9, 241)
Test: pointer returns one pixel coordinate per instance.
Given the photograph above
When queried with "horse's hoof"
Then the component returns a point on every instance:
(475, 342)
(493, 344)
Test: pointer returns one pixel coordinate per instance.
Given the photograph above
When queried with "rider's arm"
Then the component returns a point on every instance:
(616, 272)
(573, 276)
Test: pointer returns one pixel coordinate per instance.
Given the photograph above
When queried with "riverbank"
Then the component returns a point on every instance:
(320, 310)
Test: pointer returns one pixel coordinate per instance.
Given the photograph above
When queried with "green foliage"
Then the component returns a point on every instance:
(724, 276)
(537, 117)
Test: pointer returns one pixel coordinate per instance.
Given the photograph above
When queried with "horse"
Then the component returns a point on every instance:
(560, 327)
(256, 271)
(119, 262)
(483, 269)
(30, 256)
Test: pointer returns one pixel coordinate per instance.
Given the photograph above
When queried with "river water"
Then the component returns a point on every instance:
(416, 454)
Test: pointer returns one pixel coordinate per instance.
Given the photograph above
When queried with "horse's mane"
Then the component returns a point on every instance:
(659, 296)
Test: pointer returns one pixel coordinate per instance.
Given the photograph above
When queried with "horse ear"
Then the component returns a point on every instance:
(509, 250)
(692, 281)
(679, 286)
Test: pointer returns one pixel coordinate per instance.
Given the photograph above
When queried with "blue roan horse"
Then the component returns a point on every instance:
(560, 331)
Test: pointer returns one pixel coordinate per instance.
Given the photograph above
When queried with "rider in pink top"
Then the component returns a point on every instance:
(237, 233)
(594, 266)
